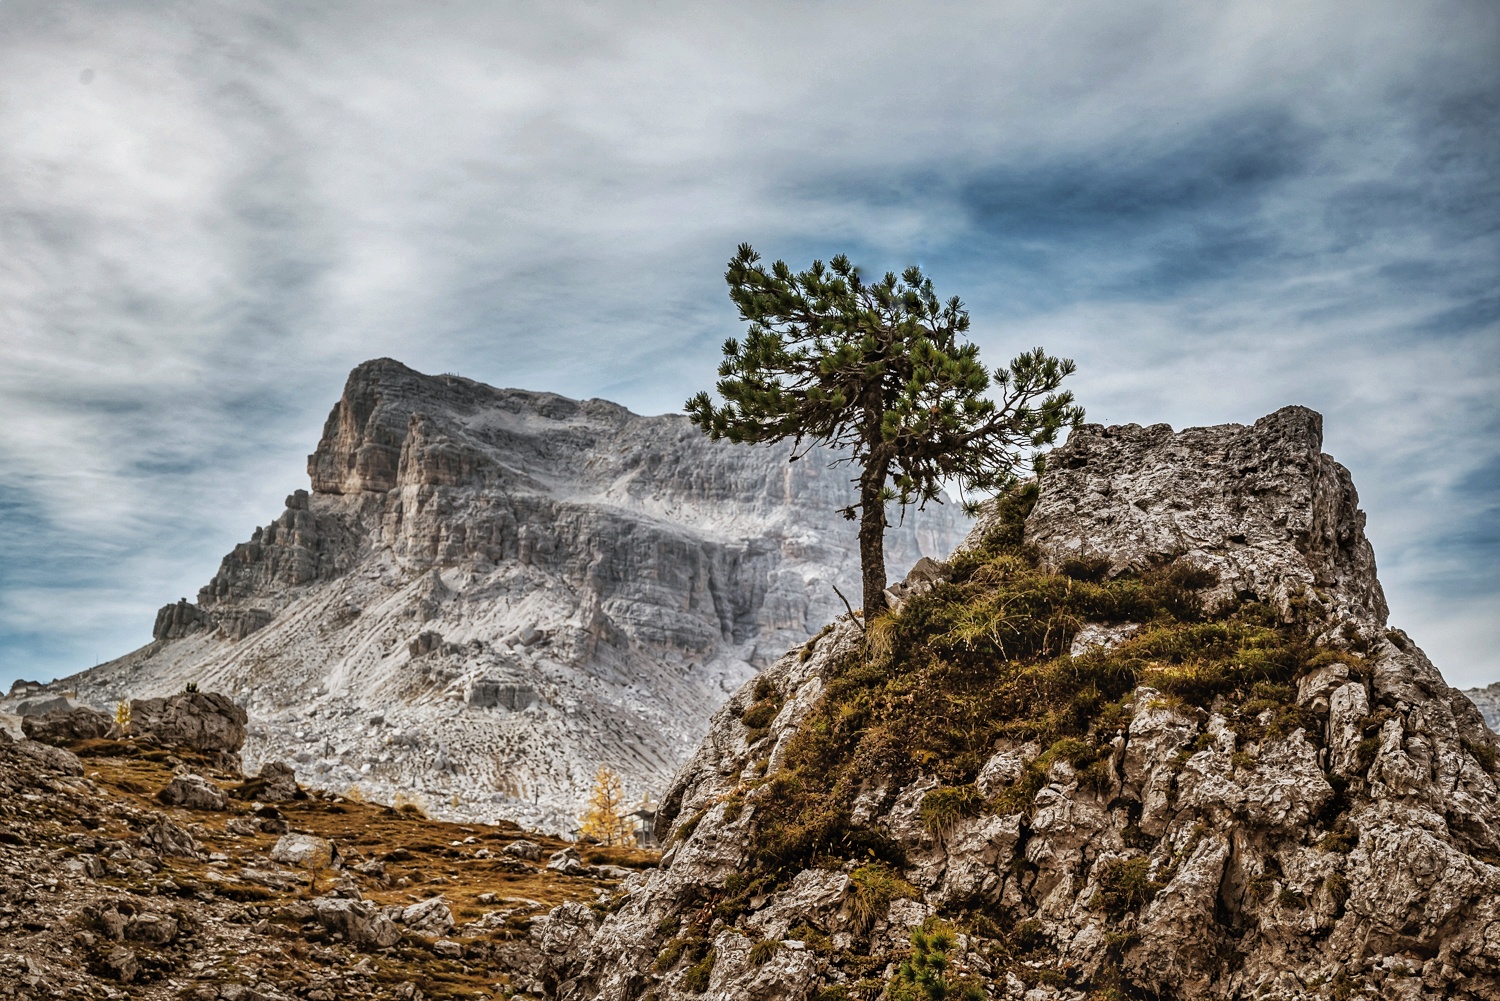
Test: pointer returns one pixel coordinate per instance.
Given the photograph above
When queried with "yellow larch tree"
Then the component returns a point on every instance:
(605, 817)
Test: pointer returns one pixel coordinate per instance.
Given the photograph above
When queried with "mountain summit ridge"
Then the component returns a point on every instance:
(489, 593)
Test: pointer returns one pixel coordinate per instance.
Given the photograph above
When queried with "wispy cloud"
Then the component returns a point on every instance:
(1216, 209)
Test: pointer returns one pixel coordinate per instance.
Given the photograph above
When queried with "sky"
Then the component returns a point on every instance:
(210, 212)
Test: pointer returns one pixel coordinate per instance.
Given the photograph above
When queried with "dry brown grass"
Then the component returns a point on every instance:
(429, 857)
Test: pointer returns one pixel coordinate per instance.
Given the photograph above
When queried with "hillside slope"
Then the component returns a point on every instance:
(489, 593)
(1150, 737)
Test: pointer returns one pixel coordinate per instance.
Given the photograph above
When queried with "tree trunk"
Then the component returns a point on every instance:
(872, 536)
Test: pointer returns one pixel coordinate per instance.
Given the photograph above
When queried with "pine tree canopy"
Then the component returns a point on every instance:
(881, 371)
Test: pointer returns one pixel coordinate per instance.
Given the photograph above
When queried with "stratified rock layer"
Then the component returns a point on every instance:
(490, 593)
(1356, 856)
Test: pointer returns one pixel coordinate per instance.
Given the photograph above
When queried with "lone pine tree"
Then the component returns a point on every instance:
(880, 371)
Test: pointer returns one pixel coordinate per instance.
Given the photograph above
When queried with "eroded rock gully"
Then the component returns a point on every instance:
(1344, 843)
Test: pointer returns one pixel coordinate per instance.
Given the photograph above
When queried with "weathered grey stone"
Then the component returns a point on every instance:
(203, 721)
(360, 922)
(1004, 768)
(170, 839)
(429, 917)
(64, 726)
(276, 783)
(1487, 700)
(1236, 846)
(47, 757)
(193, 792)
(307, 851)
(1261, 507)
(607, 578)
(1096, 636)
(529, 850)
(179, 620)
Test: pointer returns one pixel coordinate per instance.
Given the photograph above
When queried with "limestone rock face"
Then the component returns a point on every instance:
(487, 594)
(1487, 701)
(1261, 507)
(1357, 855)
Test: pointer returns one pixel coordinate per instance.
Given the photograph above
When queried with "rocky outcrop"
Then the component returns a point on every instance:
(487, 594)
(61, 727)
(207, 722)
(1334, 836)
(1262, 508)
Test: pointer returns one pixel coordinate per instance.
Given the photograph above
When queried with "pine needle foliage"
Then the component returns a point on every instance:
(882, 371)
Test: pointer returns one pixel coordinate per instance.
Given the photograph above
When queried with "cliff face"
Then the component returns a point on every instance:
(1167, 748)
(489, 593)
(1487, 701)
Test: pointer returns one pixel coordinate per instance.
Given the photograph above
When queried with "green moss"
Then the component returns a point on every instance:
(1291, 900)
(942, 808)
(688, 826)
(759, 715)
(691, 948)
(875, 886)
(816, 940)
(1483, 752)
(1337, 886)
(1125, 885)
(697, 977)
(1029, 935)
(762, 952)
(1341, 839)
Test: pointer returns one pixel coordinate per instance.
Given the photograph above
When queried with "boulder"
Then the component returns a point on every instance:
(362, 923)
(169, 839)
(1260, 507)
(178, 620)
(43, 704)
(63, 726)
(47, 757)
(152, 929)
(307, 851)
(121, 964)
(203, 721)
(528, 850)
(276, 783)
(193, 792)
(429, 917)
(568, 862)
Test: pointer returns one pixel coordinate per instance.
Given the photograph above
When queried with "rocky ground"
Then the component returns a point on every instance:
(129, 869)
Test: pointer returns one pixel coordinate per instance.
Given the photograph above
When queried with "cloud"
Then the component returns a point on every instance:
(1217, 210)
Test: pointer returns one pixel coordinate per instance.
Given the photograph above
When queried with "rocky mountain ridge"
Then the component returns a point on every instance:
(1197, 765)
(1149, 736)
(487, 594)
